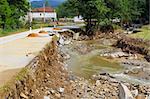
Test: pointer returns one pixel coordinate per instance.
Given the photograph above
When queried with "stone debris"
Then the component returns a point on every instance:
(76, 36)
(61, 90)
(49, 78)
(23, 95)
(124, 92)
(46, 97)
(134, 92)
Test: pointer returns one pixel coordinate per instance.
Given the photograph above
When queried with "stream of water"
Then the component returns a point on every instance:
(86, 65)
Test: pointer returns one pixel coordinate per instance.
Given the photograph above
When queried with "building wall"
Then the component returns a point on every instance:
(78, 19)
(41, 15)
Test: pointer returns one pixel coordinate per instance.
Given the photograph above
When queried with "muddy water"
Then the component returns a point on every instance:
(91, 63)
(86, 65)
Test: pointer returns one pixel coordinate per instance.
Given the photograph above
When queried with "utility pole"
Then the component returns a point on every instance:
(44, 11)
(30, 17)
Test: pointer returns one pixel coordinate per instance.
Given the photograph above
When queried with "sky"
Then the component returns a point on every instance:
(41, 0)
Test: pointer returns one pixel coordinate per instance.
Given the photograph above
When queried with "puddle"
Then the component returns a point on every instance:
(88, 65)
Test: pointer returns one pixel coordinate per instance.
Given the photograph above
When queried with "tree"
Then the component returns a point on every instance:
(87, 9)
(11, 12)
(65, 10)
(103, 11)
(5, 13)
(19, 9)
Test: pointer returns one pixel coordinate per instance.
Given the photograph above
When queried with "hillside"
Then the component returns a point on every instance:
(53, 3)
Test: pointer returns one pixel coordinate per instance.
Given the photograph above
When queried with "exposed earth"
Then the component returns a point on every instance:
(95, 69)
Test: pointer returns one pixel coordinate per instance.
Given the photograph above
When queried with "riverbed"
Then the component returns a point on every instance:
(85, 61)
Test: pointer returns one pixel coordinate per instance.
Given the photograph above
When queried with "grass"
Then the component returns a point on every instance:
(10, 32)
(144, 33)
(15, 31)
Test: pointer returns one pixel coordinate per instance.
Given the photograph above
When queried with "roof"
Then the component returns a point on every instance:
(47, 9)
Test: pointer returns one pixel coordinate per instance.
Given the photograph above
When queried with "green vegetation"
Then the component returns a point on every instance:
(10, 31)
(12, 14)
(15, 31)
(63, 11)
(144, 33)
(103, 11)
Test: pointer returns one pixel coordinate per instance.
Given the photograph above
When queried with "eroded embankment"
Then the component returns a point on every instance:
(46, 77)
(45, 71)
(133, 46)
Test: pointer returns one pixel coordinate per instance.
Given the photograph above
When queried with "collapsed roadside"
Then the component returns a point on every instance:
(48, 77)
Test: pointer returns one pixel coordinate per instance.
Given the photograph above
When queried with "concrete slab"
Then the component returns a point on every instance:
(20, 52)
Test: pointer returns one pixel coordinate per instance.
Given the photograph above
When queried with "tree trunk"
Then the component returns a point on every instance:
(3, 22)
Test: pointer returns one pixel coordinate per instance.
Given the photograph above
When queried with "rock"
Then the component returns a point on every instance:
(140, 97)
(98, 83)
(107, 42)
(76, 36)
(148, 97)
(67, 56)
(23, 95)
(61, 40)
(52, 91)
(48, 92)
(147, 57)
(61, 90)
(57, 95)
(113, 80)
(46, 97)
(124, 92)
(67, 42)
(134, 92)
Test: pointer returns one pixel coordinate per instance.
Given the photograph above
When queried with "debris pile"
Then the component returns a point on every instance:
(33, 35)
(57, 29)
(43, 32)
(46, 77)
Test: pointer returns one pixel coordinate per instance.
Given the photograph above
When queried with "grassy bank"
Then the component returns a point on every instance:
(144, 33)
(15, 31)
(10, 32)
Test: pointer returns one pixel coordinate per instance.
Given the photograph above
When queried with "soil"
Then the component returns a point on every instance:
(57, 29)
(5, 76)
(33, 35)
(46, 72)
(48, 77)
(43, 32)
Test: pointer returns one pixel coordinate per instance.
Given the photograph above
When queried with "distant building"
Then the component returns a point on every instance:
(47, 13)
(78, 19)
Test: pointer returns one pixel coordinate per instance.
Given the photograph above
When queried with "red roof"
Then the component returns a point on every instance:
(47, 9)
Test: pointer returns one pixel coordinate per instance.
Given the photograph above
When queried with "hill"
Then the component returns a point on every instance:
(52, 3)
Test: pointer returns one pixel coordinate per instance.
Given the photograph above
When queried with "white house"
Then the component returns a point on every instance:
(78, 19)
(46, 13)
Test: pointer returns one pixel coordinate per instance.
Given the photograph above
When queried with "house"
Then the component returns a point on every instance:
(45, 13)
(78, 19)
